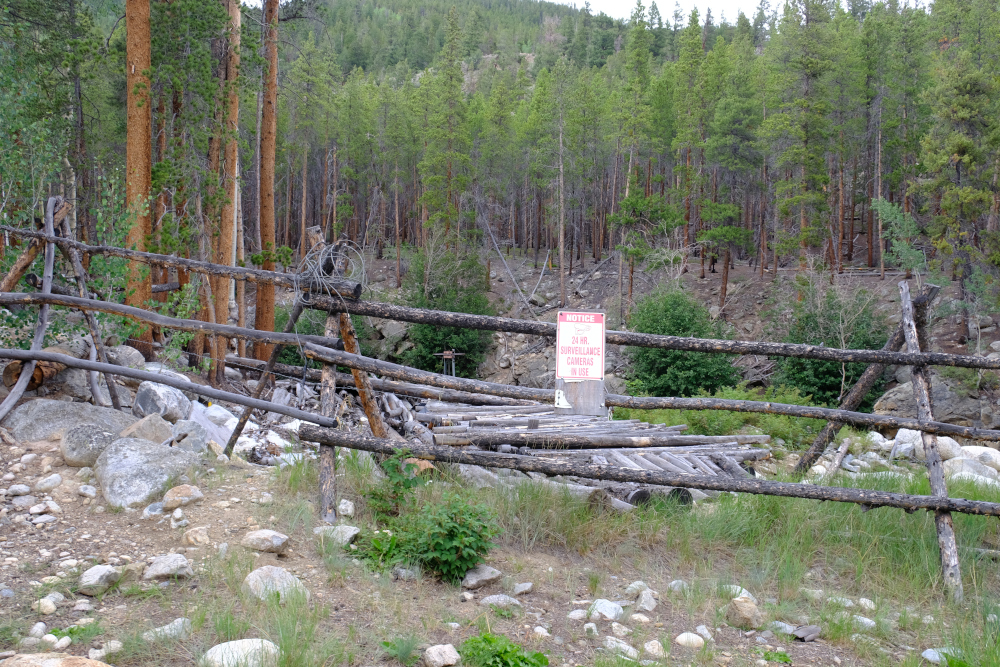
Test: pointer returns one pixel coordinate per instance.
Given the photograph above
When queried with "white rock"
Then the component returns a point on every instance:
(955, 466)
(242, 653)
(646, 601)
(44, 606)
(345, 508)
(49, 639)
(577, 615)
(87, 491)
(339, 535)
(840, 602)
(110, 647)
(502, 601)
(653, 649)
(605, 609)
(155, 398)
(704, 632)
(978, 480)
(812, 593)
(678, 586)
(63, 643)
(264, 582)
(867, 604)
(781, 627)
(218, 415)
(179, 628)
(540, 632)
(619, 630)
(523, 589)
(38, 630)
(738, 592)
(170, 566)
(48, 483)
(442, 655)
(879, 441)
(986, 455)
(863, 623)
(98, 579)
(639, 618)
(619, 647)
(590, 629)
(635, 588)
(268, 541)
(934, 655)
(480, 576)
(689, 640)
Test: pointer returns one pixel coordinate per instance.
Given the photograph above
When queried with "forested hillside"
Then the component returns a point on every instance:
(810, 134)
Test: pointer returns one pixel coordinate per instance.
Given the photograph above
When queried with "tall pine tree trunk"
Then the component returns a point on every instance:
(138, 155)
(264, 316)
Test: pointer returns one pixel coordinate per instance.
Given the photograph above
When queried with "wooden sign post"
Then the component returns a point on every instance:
(580, 364)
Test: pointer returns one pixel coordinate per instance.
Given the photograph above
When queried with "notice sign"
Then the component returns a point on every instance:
(580, 346)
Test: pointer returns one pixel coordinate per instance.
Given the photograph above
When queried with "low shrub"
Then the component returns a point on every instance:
(489, 650)
(452, 537)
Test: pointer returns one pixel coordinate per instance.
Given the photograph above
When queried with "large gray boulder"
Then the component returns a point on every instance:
(951, 406)
(151, 427)
(135, 472)
(153, 398)
(81, 445)
(195, 436)
(46, 419)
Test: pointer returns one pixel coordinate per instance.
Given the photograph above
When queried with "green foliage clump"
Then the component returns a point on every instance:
(489, 650)
(795, 431)
(452, 537)
(455, 286)
(403, 649)
(660, 372)
(846, 319)
(395, 493)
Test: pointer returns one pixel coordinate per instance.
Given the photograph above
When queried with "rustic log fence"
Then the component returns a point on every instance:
(344, 351)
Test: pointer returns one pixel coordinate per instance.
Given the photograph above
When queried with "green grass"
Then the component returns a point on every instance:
(403, 649)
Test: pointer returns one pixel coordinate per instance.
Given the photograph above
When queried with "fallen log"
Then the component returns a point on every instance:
(569, 439)
(548, 329)
(868, 499)
(170, 381)
(341, 286)
(646, 403)
(150, 317)
(43, 370)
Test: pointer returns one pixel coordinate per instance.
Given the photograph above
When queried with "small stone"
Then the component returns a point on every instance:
(87, 491)
(646, 601)
(345, 508)
(265, 582)
(927, 619)
(577, 615)
(442, 655)
(738, 592)
(6, 593)
(196, 537)
(480, 576)
(689, 640)
(541, 633)
(453, 626)
(19, 490)
(152, 511)
(47, 484)
(401, 573)
(704, 632)
(742, 612)
(29, 642)
(840, 602)
(467, 596)
(83, 605)
(781, 627)
(812, 593)
(502, 601)
(268, 541)
(49, 639)
(866, 604)
(619, 630)
(619, 647)
(522, 589)
(44, 518)
(654, 649)
(170, 566)
(340, 535)
(639, 618)
(38, 630)
(110, 647)
(44, 606)
(863, 623)
(605, 609)
(678, 586)
(635, 588)
(242, 653)
(181, 496)
(934, 655)
(63, 643)
(179, 628)
(807, 633)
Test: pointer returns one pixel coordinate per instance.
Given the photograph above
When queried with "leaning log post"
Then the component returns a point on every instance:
(922, 393)
(361, 382)
(328, 453)
(867, 498)
(853, 399)
(27, 370)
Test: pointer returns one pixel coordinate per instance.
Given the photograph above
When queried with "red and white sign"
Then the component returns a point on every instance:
(580, 346)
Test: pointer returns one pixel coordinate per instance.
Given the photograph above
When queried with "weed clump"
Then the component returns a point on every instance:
(489, 650)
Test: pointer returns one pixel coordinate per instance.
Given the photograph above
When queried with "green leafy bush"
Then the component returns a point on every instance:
(395, 492)
(452, 537)
(795, 431)
(489, 650)
(456, 286)
(833, 318)
(659, 372)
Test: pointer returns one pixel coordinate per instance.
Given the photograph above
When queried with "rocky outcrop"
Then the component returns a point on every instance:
(45, 419)
(135, 472)
(951, 404)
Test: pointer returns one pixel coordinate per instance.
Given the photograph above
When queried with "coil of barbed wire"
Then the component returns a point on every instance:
(326, 264)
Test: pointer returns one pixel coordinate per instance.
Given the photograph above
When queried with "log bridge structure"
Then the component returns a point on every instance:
(483, 427)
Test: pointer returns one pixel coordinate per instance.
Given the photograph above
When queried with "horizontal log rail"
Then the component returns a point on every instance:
(580, 439)
(154, 318)
(340, 285)
(645, 403)
(868, 499)
(510, 325)
(170, 381)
